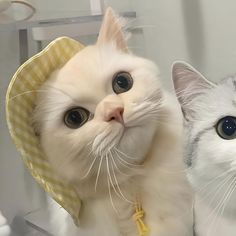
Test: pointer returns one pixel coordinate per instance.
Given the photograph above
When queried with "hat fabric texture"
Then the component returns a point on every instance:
(20, 103)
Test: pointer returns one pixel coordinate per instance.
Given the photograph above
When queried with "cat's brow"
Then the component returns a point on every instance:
(234, 83)
(234, 103)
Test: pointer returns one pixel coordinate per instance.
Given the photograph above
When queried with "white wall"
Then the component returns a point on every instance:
(164, 37)
(61, 5)
(220, 38)
(200, 32)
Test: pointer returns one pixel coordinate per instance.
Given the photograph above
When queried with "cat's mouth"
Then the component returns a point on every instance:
(108, 138)
(123, 136)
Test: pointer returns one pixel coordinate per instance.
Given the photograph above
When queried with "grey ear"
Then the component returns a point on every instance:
(188, 84)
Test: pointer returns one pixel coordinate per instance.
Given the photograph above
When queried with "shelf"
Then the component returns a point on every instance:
(45, 19)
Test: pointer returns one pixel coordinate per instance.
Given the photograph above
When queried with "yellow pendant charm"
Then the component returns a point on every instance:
(138, 217)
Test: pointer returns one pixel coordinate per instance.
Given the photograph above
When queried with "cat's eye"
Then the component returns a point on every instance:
(122, 82)
(76, 117)
(226, 127)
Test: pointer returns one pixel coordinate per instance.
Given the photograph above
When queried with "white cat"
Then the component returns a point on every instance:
(109, 128)
(210, 133)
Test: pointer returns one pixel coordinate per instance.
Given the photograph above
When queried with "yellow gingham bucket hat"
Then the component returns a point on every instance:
(20, 102)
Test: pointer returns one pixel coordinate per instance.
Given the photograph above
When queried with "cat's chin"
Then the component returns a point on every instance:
(133, 137)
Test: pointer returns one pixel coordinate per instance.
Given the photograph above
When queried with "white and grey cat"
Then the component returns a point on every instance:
(109, 128)
(210, 144)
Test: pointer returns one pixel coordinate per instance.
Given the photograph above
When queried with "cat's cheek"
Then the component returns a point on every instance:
(211, 161)
(136, 141)
(56, 151)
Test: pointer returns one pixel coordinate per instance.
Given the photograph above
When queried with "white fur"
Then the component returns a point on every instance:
(216, 157)
(213, 169)
(140, 159)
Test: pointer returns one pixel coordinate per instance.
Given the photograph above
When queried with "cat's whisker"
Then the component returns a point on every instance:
(155, 100)
(116, 182)
(110, 194)
(223, 199)
(98, 172)
(110, 178)
(138, 116)
(109, 175)
(213, 194)
(91, 166)
(146, 110)
(98, 144)
(230, 180)
(217, 189)
(118, 186)
(122, 153)
(154, 97)
(148, 105)
(123, 164)
(126, 162)
(223, 205)
(227, 200)
(213, 180)
(89, 144)
(118, 169)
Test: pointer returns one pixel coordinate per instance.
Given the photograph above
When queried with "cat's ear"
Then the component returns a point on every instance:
(111, 31)
(188, 84)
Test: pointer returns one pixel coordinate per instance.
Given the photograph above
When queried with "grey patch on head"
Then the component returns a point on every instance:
(191, 151)
(234, 83)
(231, 78)
(234, 103)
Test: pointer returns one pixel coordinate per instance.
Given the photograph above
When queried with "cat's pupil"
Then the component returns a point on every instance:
(226, 127)
(229, 126)
(76, 117)
(122, 82)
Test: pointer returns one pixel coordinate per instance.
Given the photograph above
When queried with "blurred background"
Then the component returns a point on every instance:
(197, 31)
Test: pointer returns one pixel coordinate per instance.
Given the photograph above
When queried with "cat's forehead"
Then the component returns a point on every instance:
(94, 62)
(93, 68)
(218, 102)
(226, 91)
(88, 75)
(89, 70)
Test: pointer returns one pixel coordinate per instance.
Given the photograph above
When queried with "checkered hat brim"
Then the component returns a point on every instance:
(20, 102)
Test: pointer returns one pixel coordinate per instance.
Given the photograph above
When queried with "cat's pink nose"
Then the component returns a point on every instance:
(115, 114)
